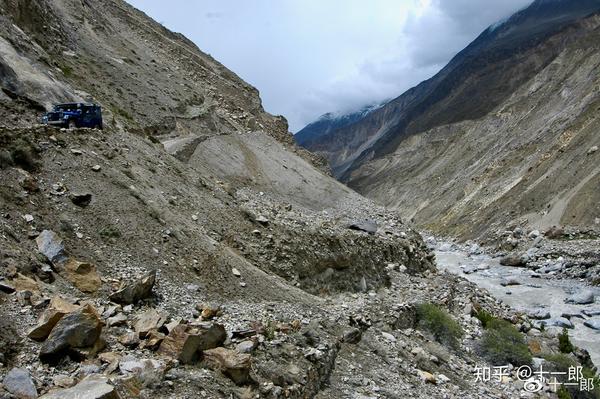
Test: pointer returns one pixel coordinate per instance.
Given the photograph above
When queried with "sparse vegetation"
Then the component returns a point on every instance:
(440, 324)
(502, 343)
(484, 317)
(110, 232)
(563, 393)
(559, 362)
(564, 343)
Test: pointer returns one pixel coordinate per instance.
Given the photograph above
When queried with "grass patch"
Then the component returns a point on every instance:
(440, 324)
(67, 71)
(502, 343)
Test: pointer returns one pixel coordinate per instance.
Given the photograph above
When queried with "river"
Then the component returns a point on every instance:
(534, 292)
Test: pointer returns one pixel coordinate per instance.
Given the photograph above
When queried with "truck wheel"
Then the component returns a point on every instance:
(72, 124)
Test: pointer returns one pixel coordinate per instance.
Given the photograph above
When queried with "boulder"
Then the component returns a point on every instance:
(368, 226)
(57, 308)
(593, 323)
(583, 297)
(186, 342)
(591, 312)
(554, 232)
(51, 246)
(560, 322)
(94, 386)
(149, 320)
(83, 275)
(81, 199)
(539, 314)
(515, 260)
(129, 339)
(78, 329)
(136, 290)
(19, 383)
(234, 365)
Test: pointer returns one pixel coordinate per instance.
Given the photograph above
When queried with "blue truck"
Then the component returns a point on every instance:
(74, 115)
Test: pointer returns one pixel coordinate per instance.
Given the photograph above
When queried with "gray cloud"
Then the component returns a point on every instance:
(308, 57)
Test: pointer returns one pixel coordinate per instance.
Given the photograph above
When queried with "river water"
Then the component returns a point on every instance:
(532, 294)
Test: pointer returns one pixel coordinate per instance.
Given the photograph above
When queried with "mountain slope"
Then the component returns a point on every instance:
(387, 155)
(473, 83)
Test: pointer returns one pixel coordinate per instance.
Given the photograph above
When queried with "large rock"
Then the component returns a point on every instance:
(581, 298)
(515, 260)
(79, 329)
(57, 308)
(186, 342)
(593, 323)
(83, 275)
(19, 383)
(149, 320)
(51, 246)
(91, 387)
(231, 363)
(539, 314)
(134, 291)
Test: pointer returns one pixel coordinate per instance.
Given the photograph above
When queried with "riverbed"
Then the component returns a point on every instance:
(534, 292)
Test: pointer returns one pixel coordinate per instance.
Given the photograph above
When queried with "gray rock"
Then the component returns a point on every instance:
(539, 314)
(246, 346)
(51, 246)
(593, 323)
(19, 383)
(79, 329)
(560, 322)
(91, 387)
(134, 291)
(592, 150)
(581, 298)
(368, 226)
(591, 312)
(513, 260)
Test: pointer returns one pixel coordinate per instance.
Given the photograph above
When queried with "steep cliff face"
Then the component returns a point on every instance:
(451, 121)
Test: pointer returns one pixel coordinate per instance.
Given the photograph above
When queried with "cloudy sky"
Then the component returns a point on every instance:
(309, 57)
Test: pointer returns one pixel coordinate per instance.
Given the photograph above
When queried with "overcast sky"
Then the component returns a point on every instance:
(309, 57)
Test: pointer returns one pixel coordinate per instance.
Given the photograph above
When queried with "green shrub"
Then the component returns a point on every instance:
(484, 317)
(440, 324)
(564, 343)
(502, 343)
(563, 393)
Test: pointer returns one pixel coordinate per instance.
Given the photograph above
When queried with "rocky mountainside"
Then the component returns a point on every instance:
(506, 132)
(190, 249)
